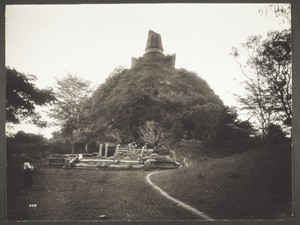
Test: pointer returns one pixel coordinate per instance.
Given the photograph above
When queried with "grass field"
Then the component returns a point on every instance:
(92, 195)
(255, 184)
(251, 185)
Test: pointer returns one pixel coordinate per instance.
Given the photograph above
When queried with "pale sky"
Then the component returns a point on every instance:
(91, 40)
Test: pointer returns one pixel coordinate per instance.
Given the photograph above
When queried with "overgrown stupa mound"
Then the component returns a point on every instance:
(153, 89)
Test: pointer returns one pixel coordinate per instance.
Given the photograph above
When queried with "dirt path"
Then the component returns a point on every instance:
(200, 214)
(93, 195)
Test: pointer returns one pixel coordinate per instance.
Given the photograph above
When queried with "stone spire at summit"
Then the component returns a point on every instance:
(154, 53)
(154, 43)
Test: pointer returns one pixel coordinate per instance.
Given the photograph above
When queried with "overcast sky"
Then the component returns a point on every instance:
(89, 41)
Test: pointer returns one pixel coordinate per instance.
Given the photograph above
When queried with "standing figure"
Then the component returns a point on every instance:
(28, 168)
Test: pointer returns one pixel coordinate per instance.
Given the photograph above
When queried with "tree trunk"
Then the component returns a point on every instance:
(86, 145)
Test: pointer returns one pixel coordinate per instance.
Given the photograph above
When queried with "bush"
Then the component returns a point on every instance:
(17, 153)
(28, 138)
(275, 134)
(59, 148)
(22, 148)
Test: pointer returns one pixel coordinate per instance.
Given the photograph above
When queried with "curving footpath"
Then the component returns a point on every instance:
(180, 203)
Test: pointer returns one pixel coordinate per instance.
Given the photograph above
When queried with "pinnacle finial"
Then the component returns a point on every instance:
(154, 43)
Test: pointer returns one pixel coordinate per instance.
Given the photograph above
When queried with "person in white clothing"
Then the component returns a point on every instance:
(28, 168)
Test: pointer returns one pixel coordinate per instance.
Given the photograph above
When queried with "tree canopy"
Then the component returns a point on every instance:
(22, 97)
(69, 109)
(268, 72)
(27, 138)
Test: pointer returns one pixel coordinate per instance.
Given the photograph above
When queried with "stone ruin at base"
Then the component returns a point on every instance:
(126, 157)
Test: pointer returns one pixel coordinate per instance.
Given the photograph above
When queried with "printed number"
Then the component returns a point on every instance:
(32, 205)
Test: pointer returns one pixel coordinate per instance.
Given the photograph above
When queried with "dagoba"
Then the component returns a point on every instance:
(154, 53)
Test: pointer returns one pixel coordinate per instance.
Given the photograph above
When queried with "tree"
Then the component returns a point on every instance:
(71, 93)
(93, 129)
(234, 132)
(275, 134)
(275, 67)
(282, 11)
(152, 134)
(203, 121)
(268, 84)
(22, 97)
(28, 138)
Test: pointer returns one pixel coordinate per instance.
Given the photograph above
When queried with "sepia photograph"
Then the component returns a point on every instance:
(149, 112)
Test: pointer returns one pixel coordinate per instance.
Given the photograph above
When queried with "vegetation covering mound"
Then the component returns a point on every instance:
(180, 101)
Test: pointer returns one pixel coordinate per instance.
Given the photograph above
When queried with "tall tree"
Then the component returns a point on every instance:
(22, 97)
(275, 67)
(71, 93)
(269, 79)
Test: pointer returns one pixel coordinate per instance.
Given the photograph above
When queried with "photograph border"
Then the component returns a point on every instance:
(295, 127)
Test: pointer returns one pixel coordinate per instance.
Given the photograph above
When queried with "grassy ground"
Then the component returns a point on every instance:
(90, 195)
(250, 185)
(60, 194)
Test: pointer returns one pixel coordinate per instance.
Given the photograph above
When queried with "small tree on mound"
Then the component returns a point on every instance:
(152, 134)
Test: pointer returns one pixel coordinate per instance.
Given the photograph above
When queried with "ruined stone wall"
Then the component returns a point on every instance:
(154, 59)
